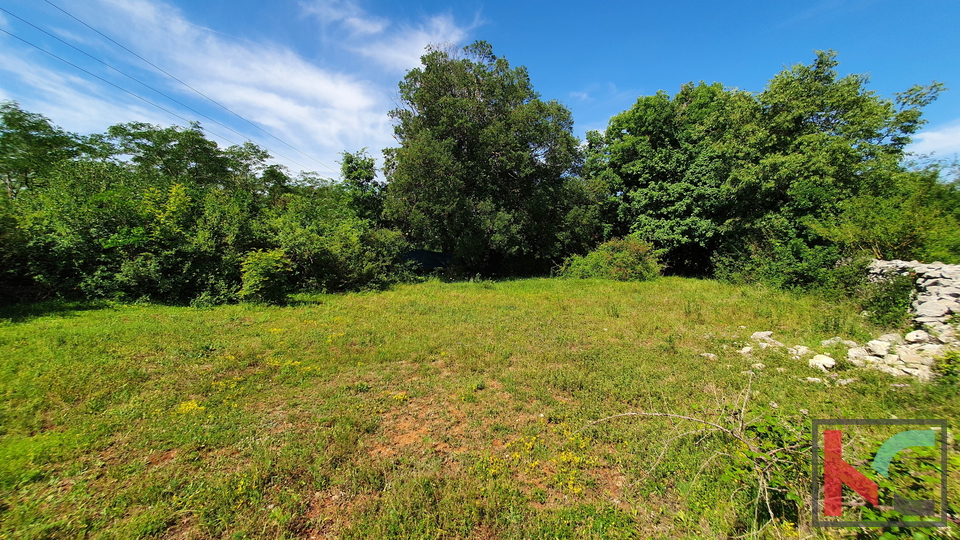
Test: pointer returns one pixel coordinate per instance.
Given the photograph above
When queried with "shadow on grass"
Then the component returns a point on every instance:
(23, 312)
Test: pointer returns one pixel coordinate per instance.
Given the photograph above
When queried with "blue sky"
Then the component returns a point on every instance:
(321, 75)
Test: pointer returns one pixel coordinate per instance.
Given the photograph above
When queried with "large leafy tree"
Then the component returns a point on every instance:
(717, 175)
(663, 167)
(483, 162)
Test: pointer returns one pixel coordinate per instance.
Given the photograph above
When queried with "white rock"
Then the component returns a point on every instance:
(857, 361)
(947, 335)
(932, 349)
(949, 292)
(709, 356)
(799, 351)
(758, 366)
(932, 309)
(765, 339)
(909, 355)
(878, 348)
(889, 370)
(952, 305)
(822, 362)
(857, 351)
(922, 373)
(746, 350)
(891, 338)
(892, 360)
(844, 382)
(814, 380)
(917, 336)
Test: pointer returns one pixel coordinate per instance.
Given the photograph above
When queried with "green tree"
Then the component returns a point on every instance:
(717, 176)
(30, 145)
(358, 171)
(482, 163)
(663, 168)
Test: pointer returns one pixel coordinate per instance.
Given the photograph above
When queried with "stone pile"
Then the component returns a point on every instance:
(935, 301)
(914, 354)
(937, 296)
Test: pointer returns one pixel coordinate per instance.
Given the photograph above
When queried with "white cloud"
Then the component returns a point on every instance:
(944, 142)
(348, 13)
(402, 51)
(329, 11)
(581, 96)
(319, 110)
(71, 100)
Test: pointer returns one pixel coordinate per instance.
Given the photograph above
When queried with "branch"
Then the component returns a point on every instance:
(669, 415)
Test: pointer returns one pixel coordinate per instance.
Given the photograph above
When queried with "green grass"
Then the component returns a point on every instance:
(429, 411)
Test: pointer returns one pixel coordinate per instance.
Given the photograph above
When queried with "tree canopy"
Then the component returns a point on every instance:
(715, 176)
(482, 163)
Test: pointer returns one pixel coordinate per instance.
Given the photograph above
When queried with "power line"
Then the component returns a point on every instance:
(139, 82)
(224, 107)
(104, 80)
(141, 98)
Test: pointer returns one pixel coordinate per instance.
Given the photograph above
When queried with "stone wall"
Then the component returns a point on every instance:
(937, 295)
(936, 299)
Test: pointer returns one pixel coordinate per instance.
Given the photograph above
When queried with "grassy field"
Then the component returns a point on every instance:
(433, 410)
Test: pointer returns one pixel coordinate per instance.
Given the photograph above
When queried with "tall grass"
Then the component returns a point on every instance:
(448, 410)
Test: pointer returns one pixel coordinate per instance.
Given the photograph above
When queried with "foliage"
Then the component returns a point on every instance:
(627, 259)
(775, 186)
(482, 163)
(909, 218)
(884, 302)
(330, 247)
(888, 301)
(29, 146)
(164, 214)
(662, 168)
(265, 275)
(948, 368)
(358, 172)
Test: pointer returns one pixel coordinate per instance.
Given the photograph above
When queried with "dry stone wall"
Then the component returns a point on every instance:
(936, 300)
(938, 290)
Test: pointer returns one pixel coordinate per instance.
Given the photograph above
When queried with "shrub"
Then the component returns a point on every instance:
(265, 276)
(626, 259)
(888, 301)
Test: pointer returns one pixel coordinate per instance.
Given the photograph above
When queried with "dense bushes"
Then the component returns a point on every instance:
(627, 259)
(164, 214)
